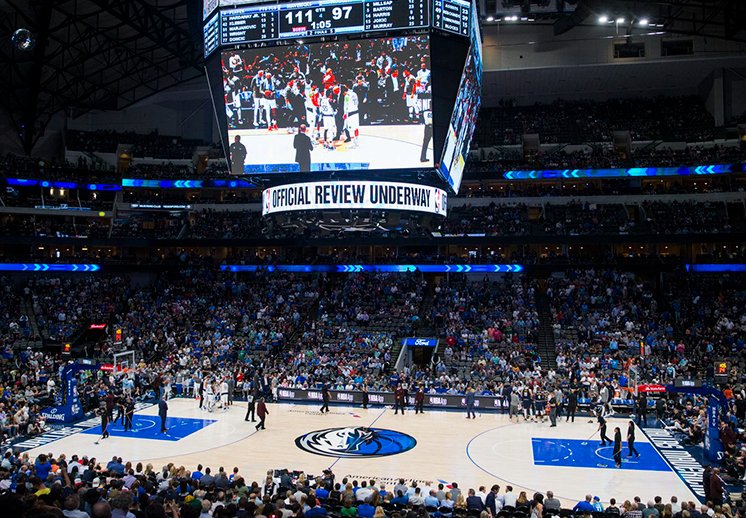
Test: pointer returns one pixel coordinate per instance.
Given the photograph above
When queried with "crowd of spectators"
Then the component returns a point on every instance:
(495, 219)
(495, 160)
(151, 144)
(307, 330)
(152, 225)
(87, 487)
(673, 119)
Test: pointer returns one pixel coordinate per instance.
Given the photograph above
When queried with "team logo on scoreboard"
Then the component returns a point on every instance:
(355, 442)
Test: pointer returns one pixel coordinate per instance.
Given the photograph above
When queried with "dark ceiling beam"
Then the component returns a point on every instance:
(151, 23)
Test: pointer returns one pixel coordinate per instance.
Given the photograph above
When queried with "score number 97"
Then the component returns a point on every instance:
(338, 13)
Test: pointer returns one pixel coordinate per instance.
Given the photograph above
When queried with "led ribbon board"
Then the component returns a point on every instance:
(349, 195)
(375, 268)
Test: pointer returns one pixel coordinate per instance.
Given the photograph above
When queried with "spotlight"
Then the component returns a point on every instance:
(643, 22)
(23, 39)
(603, 19)
(620, 20)
(490, 18)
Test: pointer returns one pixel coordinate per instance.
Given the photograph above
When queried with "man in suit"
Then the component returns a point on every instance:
(470, 401)
(492, 501)
(303, 147)
(163, 414)
(572, 405)
(400, 399)
(419, 400)
(366, 397)
(473, 502)
(238, 155)
(262, 412)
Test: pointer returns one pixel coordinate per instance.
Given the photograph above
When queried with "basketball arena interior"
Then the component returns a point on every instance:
(373, 258)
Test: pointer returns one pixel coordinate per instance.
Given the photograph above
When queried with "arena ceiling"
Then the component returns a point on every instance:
(91, 54)
(724, 19)
(103, 54)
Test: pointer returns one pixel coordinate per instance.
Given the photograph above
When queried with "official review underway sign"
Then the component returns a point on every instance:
(355, 195)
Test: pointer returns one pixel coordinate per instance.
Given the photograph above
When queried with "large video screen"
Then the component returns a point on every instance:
(348, 105)
(464, 118)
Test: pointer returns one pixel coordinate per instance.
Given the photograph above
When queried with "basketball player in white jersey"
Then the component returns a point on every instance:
(352, 116)
(224, 394)
(330, 125)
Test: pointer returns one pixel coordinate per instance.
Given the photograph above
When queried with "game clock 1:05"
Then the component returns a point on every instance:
(320, 17)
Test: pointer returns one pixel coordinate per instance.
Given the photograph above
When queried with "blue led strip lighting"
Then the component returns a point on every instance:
(375, 268)
(186, 184)
(634, 172)
(715, 268)
(41, 267)
(30, 182)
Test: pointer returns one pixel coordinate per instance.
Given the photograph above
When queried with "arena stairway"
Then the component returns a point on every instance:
(34, 340)
(545, 339)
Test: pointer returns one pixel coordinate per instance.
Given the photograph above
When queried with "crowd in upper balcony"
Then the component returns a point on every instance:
(673, 119)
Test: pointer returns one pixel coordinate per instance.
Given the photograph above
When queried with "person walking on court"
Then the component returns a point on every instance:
(470, 401)
(104, 413)
(129, 412)
(419, 400)
(618, 447)
(262, 412)
(163, 414)
(251, 409)
(303, 147)
(552, 409)
(642, 410)
(572, 405)
(602, 429)
(325, 396)
(366, 397)
(631, 439)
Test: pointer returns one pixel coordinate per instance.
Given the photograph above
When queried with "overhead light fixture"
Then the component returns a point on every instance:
(490, 18)
(620, 20)
(643, 22)
(603, 19)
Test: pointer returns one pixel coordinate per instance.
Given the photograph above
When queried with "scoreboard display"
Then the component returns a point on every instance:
(452, 16)
(379, 89)
(212, 34)
(252, 24)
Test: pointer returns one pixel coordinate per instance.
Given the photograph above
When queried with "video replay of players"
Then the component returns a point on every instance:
(347, 105)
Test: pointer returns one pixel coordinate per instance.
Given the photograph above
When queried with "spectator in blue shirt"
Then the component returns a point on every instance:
(401, 499)
(365, 510)
(316, 511)
(116, 466)
(584, 506)
(431, 500)
(196, 475)
(43, 467)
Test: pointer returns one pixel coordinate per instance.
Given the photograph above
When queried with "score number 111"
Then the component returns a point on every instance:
(338, 13)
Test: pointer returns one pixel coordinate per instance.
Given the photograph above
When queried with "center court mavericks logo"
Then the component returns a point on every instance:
(355, 442)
